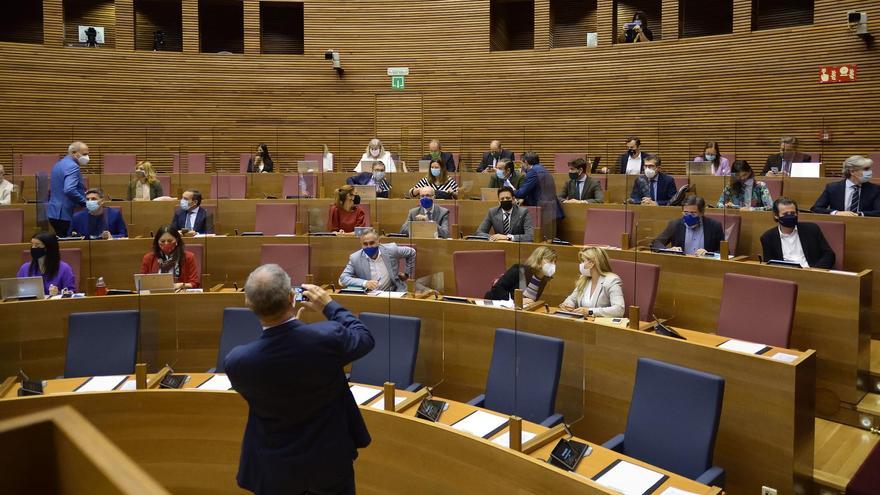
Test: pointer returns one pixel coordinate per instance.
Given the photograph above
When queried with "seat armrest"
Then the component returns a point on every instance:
(714, 476)
(211, 370)
(478, 400)
(552, 420)
(414, 387)
(615, 444)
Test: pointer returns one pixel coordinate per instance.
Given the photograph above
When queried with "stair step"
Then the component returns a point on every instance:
(870, 404)
(839, 451)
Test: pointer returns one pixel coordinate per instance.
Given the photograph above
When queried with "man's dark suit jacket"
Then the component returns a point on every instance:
(486, 162)
(302, 417)
(624, 158)
(833, 198)
(713, 234)
(592, 191)
(446, 159)
(665, 189)
(775, 160)
(816, 249)
(204, 223)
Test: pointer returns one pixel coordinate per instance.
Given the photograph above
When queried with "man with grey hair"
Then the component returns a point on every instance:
(780, 163)
(435, 153)
(427, 211)
(375, 266)
(304, 427)
(66, 187)
(853, 196)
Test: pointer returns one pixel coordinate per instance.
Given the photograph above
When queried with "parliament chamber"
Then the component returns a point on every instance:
(723, 370)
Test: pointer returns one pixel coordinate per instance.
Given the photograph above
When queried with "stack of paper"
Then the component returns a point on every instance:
(629, 479)
(504, 438)
(743, 346)
(101, 383)
(216, 382)
(385, 293)
(362, 394)
(480, 423)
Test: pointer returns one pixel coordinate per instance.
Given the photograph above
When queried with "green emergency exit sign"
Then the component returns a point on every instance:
(397, 82)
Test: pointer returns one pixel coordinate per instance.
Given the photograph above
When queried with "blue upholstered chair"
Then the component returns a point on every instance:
(101, 343)
(394, 356)
(523, 376)
(673, 420)
(240, 326)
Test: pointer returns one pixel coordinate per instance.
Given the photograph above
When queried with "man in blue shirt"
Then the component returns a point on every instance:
(693, 233)
(96, 221)
(66, 187)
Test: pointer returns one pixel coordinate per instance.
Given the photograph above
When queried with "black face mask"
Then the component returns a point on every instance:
(507, 204)
(632, 152)
(37, 252)
(357, 199)
(573, 175)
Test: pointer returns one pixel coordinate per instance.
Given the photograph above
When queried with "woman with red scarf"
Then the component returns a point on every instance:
(169, 256)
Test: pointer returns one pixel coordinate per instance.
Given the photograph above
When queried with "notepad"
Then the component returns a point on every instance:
(101, 383)
(504, 439)
(362, 395)
(481, 424)
(386, 293)
(380, 404)
(494, 304)
(216, 382)
(129, 385)
(743, 346)
(676, 491)
(629, 479)
(785, 358)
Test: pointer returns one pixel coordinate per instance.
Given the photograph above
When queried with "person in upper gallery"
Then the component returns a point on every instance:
(374, 178)
(46, 262)
(780, 163)
(581, 188)
(97, 221)
(435, 153)
(169, 256)
(304, 427)
(506, 175)
(6, 188)
(530, 277)
(653, 188)
(744, 192)
(438, 179)
(801, 242)
(599, 291)
(638, 31)
(633, 161)
(345, 214)
(375, 152)
(66, 187)
(428, 211)
(191, 217)
(261, 161)
(490, 158)
(693, 233)
(375, 265)
(712, 154)
(853, 196)
(509, 221)
(145, 186)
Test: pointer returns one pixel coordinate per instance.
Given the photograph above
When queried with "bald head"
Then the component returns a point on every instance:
(268, 292)
(495, 146)
(426, 192)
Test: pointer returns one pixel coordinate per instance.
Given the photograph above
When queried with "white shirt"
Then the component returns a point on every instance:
(379, 272)
(792, 249)
(190, 220)
(384, 158)
(143, 191)
(848, 194)
(5, 192)
(328, 162)
(634, 165)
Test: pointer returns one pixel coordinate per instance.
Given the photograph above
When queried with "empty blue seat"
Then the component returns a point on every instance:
(394, 356)
(673, 420)
(240, 326)
(101, 343)
(523, 376)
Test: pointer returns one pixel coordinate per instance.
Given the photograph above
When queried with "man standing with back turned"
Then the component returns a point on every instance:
(304, 427)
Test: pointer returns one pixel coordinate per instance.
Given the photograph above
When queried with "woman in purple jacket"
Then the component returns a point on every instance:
(46, 262)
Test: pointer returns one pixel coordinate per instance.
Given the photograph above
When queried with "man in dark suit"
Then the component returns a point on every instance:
(788, 154)
(495, 153)
(633, 161)
(509, 221)
(693, 233)
(97, 221)
(435, 153)
(654, 187)
(581, 188)
(801, 242)
(428, 211)
(374, 178)
(539, 189)
(191, 216)
(854, 195)
(304, 427)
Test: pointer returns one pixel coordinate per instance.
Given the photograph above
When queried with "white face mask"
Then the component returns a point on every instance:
(184, 204)
(83, 160)
(374, 153)
(650, 172)
(549, 269)
(584, 269)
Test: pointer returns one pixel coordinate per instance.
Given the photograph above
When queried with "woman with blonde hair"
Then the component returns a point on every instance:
(345, 214)
(438, 179)
(146, 186)
(530, 277)
(375, 152)
(598, 291)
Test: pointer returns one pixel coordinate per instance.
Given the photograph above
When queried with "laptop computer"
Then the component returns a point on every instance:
(423, 230)
(698, 168)
(424, 166)
(307, 167)
(488, 194)
(806, 169)
(20, 289)
(154, 283)
(365, 192)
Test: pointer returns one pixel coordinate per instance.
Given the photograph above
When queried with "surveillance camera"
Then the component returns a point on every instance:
(333, 56)
(328, 55)
(858, 21)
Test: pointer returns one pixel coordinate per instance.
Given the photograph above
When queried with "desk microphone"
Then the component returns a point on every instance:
(236, 231)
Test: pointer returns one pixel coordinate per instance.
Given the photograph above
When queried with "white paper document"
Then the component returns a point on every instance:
(386, 293)
(129, 385)
(362, 395)
(676, 491)
(380, 404)
(629, 479)
(480, 423)
(742, 346)
(101, 383)
(216, 382)
(495, 304)
(504, 439)
(785, 358)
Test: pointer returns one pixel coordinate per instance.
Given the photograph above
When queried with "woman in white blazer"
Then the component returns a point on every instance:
(376, 152)
(598, 292)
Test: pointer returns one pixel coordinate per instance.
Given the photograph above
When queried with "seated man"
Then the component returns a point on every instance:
(802, 243)
(653, 187)
(780, 163)
(376, 178)
(375, 266)
(435, 153)
(490, 159)
(581, 188)
(505, 175)
(97, 222)
(853, 196)
(693, 233)
(428, 211)
(190, 217)
(509, 221)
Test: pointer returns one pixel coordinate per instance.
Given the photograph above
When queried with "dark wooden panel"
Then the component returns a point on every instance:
(158, 15)
(281, 28)
(221, 26)
(23, 22)
(570, 21)
(705, 17)
(89, 13)
(773, 14)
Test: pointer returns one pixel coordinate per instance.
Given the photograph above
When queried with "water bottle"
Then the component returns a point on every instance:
(100, 287)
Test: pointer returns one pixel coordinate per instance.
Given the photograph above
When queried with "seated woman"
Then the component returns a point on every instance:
(46, 262)
(744, 192)
(261, 162)
(505, 175)
(530, 277)
(146, 187)
(438, 179)
(169, 256)
(638, 32)
(345, 214)
(375, 152)
(712, 153)
(376, 178)
(598, 292)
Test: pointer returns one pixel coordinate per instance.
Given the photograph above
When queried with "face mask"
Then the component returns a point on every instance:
(866, 176)
(168, 248)
(184, 204)
(750, 181)
(691, 220)
(435, 155)
(632, 152)
(379, 175)
(650, 172)
(710, 158)
(506, 204)
(92, 205)
(371, 251)
(357, 199)
(426, 203)
(37, 253)
(435, 172)
(585, 270)
(573, 175)
(374, 153)
(549, 269)
(500, 174)
(140, 173)
(83, 160)
(788, 221)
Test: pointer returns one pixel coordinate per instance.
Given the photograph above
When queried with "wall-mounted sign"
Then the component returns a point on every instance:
(837, 74)
(398, 71)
